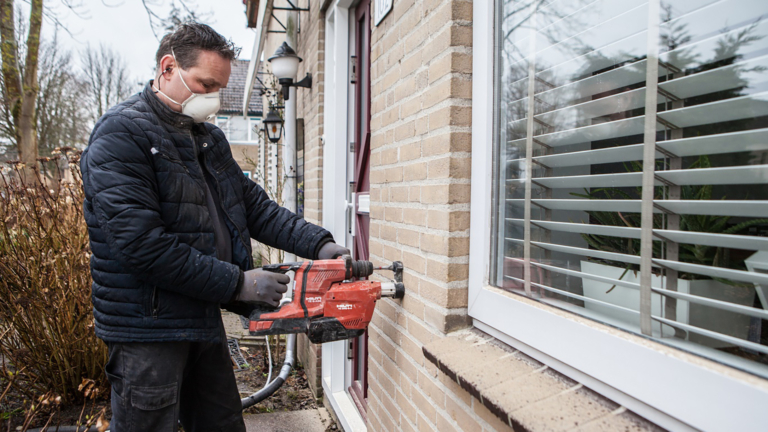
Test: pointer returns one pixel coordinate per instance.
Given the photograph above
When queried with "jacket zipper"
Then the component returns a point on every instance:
(155, 302)
(218, 189)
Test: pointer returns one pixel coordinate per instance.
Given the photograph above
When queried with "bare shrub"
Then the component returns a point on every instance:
(46, 314)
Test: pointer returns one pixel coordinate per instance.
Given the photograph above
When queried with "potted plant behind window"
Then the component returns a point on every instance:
(729, 323)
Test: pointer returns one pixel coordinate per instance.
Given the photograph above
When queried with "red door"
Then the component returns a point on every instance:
(361, 185)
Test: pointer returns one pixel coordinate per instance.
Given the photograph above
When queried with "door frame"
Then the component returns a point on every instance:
(336, 366)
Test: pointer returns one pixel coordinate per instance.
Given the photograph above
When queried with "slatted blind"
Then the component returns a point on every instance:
(597, 98)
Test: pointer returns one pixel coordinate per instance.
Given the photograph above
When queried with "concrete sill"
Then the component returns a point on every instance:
(523, 393)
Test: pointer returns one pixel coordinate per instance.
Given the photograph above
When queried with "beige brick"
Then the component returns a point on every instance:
(405, 131)
(461, 415)
(407, 409)
(461, 35)
(411, 303)
(447, 323)
(450, 116)
(388, 232)
(408, 237)
(416, 38)
(410, 151)
(426, 407)
(433, 391)
(388, 117)
(446, 246)
(446, 143)
(407, 368)
(394, 174)
(411, 63)
(442, 296)
(377, 212)
(452, 62)
(374, 247)
(419, 331)
(415, 216)
(422, 125)
(393, 214)
(374, 230)
(397, 194)
(448, 220)
(446, 272)
(445, 425)
(392, 253)
(416, 171)
(414, 194)
(446, 194)
(414, 351)
(405, 89)
(411, 107)
(388, 156)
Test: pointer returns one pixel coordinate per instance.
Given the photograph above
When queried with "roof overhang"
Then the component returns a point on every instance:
(262, 25)
(251, 12)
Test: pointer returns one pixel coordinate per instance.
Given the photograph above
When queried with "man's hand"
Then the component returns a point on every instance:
(331, 250)
(261, 286)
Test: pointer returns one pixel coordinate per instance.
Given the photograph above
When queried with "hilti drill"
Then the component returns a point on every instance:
(328, 304)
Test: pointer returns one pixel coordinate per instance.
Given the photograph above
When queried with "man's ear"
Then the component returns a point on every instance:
(167, 64)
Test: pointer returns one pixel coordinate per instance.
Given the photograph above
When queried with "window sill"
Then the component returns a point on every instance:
(523, 393)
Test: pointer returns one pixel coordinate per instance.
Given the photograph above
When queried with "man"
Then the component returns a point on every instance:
(170, 216)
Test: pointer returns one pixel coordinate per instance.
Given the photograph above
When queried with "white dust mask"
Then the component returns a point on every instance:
(199, 106)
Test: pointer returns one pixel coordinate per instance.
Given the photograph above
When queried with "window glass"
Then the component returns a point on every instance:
(574, 79)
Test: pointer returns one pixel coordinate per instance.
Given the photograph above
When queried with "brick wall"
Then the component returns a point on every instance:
(420, 174)
(309, 106)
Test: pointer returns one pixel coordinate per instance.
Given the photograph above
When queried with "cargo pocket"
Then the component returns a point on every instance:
(153, 398)
(154, 408)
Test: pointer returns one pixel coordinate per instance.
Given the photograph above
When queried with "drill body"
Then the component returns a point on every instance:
(328, 304)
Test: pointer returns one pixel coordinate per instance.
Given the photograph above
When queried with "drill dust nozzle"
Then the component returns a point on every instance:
(393, 289)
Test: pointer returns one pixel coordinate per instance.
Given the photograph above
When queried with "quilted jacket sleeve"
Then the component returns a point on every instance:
(278, 227)
(120, 184)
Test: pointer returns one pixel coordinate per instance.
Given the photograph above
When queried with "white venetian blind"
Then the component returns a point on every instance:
(575, 81)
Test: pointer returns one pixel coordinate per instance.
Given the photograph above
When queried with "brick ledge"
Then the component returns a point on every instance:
(522, 392)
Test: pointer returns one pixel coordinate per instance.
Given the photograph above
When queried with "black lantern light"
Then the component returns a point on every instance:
(285, 64)
(274, 126)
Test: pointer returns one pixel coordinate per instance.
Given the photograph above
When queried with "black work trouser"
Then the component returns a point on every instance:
(154, 384)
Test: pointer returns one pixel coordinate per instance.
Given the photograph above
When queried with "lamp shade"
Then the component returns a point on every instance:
(285, 62)
(274, 126)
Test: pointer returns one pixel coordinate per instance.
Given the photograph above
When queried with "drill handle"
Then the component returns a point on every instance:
(282, 267)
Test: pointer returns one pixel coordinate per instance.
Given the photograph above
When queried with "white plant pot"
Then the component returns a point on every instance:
(725, 322)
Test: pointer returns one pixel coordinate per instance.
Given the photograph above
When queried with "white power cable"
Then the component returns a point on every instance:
(269, 360)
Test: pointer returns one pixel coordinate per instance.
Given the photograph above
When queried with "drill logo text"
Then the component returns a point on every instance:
(313, 299)
(344, 307)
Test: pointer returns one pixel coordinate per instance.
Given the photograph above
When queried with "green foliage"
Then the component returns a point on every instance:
(689, 253)
(46, 314)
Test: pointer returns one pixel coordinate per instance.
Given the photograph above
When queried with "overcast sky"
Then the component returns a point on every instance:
(124, 26)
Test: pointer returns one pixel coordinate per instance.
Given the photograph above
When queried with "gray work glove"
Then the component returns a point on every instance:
(331, 250)
(264, 287)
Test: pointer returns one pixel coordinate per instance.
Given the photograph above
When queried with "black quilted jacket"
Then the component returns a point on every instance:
(155, 277)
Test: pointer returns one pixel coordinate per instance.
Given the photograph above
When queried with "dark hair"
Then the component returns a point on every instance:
(188, 38)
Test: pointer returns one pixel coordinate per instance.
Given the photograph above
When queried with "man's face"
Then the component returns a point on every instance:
(210, 74)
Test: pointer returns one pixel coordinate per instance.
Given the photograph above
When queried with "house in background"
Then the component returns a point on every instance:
(499, 149)
(241, 128)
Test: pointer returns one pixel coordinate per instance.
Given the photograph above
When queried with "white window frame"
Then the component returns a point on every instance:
(253, 122)
(222, 122)
(675, 389)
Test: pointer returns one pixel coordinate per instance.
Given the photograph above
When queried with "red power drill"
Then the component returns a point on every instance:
(327, 303)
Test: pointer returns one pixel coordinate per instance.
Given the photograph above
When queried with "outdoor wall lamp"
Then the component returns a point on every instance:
(285, 65)
(274, 125)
